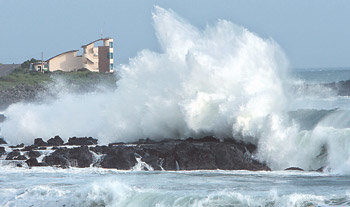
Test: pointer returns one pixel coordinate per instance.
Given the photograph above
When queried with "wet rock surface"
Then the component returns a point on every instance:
(2, 118)
(294, 168)
(81, 141)
(2, 151)
(40, 142)
(64, 157)
(56, 141)
(207, 153)
(2, 141)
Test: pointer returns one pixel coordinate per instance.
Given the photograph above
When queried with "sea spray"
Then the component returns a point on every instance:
(218, 80)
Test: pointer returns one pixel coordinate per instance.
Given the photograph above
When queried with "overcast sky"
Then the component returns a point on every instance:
(313, 33)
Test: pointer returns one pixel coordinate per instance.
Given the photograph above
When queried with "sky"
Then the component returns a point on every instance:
(312, 33)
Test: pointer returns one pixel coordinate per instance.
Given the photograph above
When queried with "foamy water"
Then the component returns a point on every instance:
(94, 187)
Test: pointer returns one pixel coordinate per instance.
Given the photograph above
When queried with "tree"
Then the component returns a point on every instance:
(26, 64)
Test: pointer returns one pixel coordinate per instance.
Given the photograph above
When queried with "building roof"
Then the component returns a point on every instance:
(106, 38)
(62, 54)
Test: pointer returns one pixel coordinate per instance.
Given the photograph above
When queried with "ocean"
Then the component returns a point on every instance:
(98, 187)
(224, 81)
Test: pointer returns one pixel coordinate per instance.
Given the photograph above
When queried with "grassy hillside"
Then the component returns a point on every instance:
(23, 85)
(83, 78)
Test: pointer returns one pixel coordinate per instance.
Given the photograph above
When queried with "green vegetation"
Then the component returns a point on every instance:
(84, 78)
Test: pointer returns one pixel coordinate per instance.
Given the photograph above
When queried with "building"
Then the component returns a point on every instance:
(94, 58)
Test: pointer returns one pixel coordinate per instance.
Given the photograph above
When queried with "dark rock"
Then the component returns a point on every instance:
(32, 162)
(56, 141)
(21, 157)
(2, 141)
(115, 143)
(208, 139)
(145, 141)
(19, 165)
(42, 148)
(29, 148)
(204, 154)
(100, 149)
(57, 160)
(2, 151)
(76, 157)
(121, 158)
(40, 142)
(12, 155)
(207, 153)
(82, 141)
(294, 168)
(18, 146)
(2, 118)
(321, 169)
(34, 154)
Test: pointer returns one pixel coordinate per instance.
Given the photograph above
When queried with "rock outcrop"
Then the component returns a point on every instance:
(56, 141)
(207, 153)
(40, 142)
(2, 141)
(81, 141)
(64, 157)
(2, 151)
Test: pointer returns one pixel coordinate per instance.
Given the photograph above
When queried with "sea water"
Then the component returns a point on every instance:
(101, 187)
(222, 80)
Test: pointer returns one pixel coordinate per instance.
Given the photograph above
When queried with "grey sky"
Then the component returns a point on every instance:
(313, 33)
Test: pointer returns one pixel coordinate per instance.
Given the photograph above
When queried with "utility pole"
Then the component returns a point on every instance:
(42, 61)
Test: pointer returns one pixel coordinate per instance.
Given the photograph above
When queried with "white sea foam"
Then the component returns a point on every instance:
(214, 80)
(113, 192)
(223, 80)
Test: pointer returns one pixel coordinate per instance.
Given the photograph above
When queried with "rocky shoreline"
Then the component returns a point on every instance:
(207, 153)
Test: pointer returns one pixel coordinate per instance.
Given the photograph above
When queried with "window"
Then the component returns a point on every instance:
(110, 55)
(111, 66)
(39, 68)
(110, 44)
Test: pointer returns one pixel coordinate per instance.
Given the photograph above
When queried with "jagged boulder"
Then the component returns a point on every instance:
(29, 148)
(2, 151)
(2, 141)
(12, 155)
(76, 157)
(18, 146)
(119, 157)
(32, 162)
(34, 154)
(56, 141)
(82, 141)
(100, 149)
(2, 118)
(203, 154)
(40, 142)
(57, 160)
(21, 157)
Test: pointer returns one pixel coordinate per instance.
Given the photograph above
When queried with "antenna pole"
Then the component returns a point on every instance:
(42, 61)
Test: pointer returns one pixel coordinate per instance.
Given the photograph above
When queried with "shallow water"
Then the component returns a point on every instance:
(99, 187)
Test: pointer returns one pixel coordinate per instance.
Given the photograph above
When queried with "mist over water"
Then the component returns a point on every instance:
(223, 80)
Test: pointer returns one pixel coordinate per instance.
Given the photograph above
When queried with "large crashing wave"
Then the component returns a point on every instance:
(222, 80)
(210, 81)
